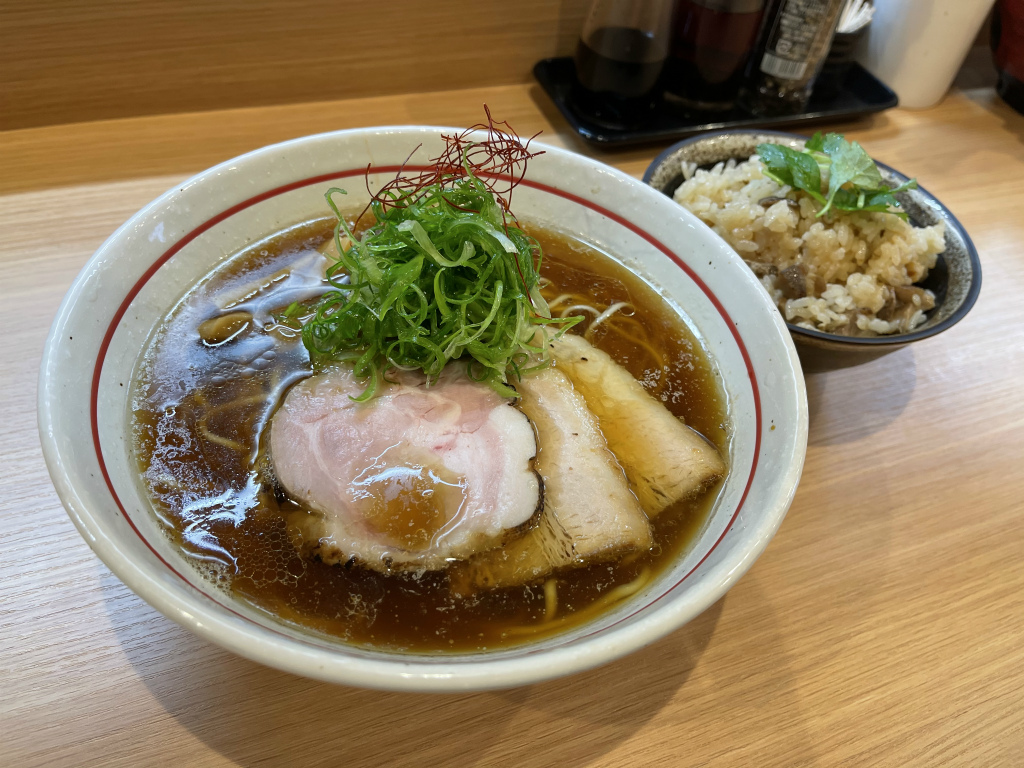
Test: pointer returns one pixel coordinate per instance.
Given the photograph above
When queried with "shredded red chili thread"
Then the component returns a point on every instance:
(499, 162)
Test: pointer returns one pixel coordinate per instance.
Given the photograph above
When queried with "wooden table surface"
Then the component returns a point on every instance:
(884, 625)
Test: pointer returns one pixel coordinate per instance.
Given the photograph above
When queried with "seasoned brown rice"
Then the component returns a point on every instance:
(848, 273)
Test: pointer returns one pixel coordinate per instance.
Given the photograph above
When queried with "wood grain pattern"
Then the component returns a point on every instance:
(67, 61)
(884, 625)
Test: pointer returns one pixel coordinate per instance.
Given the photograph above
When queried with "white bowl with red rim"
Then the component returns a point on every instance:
(135, 278)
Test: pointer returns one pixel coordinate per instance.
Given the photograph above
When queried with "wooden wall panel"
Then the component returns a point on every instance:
(73, 60)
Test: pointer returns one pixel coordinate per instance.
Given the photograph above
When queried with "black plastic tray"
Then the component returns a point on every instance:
(861, 93)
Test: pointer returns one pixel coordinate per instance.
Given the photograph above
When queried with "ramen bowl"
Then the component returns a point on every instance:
(132, 282)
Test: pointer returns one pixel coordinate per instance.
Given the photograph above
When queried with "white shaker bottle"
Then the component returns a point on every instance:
(917, 46)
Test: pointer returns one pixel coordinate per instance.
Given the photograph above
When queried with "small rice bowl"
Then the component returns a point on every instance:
(845, 273)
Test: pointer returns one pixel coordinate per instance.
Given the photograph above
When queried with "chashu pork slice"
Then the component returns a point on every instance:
(415, 478)
(664, 459)
(589, 515)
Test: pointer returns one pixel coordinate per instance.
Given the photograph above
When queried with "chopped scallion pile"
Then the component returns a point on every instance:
(444, 273)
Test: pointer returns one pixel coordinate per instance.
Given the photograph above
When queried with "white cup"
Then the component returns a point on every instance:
(917, 46)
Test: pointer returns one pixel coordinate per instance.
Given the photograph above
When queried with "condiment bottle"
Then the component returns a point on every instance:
(793, 45)
(711, 43)
(619, 58)
(1008, 48)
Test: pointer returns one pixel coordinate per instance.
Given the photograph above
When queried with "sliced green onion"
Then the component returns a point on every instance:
(439, 276)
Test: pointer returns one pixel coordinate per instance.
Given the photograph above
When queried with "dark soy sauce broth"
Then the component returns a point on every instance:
(199, 412)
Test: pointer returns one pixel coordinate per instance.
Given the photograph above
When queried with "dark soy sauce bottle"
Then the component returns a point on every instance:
(619, 58)
(711, 43)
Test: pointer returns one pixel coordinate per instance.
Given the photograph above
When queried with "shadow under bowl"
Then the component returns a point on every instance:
(955, 279)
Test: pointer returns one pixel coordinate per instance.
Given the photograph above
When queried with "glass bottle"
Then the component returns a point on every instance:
(711, 43)
(621, 52)
(1008, 49)
(792, 49)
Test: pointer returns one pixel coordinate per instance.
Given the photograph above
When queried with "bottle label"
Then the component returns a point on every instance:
(790, 43)
(784, 69)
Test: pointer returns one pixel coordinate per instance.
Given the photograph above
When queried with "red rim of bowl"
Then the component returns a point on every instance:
(199, 230)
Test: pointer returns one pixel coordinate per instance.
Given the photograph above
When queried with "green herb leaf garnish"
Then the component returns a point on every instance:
(854, 182)
(444, 273)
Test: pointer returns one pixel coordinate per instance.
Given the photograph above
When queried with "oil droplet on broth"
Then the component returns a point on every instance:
(409, 498)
